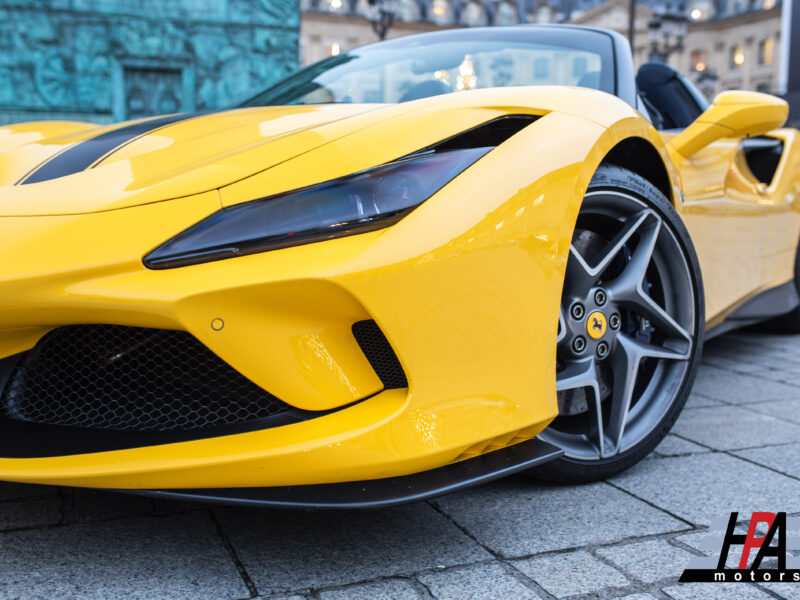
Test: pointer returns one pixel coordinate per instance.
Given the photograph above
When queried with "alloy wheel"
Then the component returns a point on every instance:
(626, 328)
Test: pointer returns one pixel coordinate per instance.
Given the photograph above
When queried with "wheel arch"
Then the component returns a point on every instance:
(639, 156)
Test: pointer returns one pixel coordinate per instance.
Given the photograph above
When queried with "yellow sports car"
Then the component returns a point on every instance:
(412, 267)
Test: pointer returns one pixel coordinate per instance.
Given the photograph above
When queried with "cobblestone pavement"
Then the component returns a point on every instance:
(736, 447)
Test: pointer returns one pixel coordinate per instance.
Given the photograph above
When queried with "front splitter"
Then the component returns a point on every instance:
(378, 493)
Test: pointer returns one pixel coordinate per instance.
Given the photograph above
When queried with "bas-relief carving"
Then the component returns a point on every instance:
(63, 61)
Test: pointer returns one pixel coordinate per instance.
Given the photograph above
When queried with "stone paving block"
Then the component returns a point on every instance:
(787, 591)
(636, 597)
(709, 542)
(571, 573)
(789, 376)
(734, 428)
(477, 582)
(696, 540)
(86, 505)
(650, 561)
(177, 557)
(785, 459)
(672, 445)
(703, 487)
(286, 551)
(518, 516)
(763, 338)
(738, 366)
(15, 491)
(394, 589)
(786, 410)
(32, 512)
(715, 591)
(696, 400)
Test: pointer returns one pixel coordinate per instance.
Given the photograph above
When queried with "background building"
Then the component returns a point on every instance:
(733, 46)
(726, 43)
(106, 60)
(330, 26)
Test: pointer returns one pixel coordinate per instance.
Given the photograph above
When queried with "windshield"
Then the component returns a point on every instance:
(451, 61)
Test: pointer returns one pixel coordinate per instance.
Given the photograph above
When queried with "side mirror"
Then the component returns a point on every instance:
(733, 114)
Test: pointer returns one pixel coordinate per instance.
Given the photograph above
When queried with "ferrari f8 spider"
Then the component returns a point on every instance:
(412, 267)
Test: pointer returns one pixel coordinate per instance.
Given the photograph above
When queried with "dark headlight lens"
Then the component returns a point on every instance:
(362, 202)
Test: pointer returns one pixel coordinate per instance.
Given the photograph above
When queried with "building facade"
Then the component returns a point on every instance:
(728, 43)
(735, 46)
(109, 60)
(331, 26)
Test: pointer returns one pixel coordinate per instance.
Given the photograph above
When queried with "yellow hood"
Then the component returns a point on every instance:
(50, 168)
(68, 168)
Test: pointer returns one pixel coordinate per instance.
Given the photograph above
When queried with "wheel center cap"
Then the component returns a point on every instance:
(596, 325)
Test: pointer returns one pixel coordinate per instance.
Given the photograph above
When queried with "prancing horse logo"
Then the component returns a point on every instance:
(596, 325)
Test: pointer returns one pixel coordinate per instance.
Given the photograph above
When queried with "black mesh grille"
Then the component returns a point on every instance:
(380, 355)
(131, 379)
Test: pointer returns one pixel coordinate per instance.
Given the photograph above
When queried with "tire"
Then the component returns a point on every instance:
(615, 408)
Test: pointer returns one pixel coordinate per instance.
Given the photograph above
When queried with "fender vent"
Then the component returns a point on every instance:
(131, 379)
(380, 355)
(486, 135)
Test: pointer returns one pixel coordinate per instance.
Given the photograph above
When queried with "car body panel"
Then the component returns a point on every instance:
(745, 232)
(473, 276)
(486, 251)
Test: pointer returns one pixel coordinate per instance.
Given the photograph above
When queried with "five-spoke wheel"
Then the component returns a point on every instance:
(629, 330)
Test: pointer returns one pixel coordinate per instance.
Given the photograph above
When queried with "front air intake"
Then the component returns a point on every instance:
(108, 377)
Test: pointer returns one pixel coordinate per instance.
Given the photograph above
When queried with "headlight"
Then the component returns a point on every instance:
(362, 202)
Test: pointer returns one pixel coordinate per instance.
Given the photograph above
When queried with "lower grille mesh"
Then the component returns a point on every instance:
(131, 379)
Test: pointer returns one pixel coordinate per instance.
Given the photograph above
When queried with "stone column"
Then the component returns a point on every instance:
(790, 58)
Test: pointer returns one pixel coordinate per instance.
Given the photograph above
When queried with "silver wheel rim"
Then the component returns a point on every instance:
(626, 269)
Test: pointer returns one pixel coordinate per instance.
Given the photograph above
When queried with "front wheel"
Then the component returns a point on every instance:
(630, 329)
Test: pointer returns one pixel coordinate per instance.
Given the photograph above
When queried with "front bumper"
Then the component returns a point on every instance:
(471, 279)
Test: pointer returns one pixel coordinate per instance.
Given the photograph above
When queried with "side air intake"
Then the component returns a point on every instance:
(380, 355)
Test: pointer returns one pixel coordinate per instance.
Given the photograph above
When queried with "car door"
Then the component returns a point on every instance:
(773, 162)
(726, 208)
(728, 219)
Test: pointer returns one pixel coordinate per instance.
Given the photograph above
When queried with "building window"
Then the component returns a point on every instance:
(766, 49)
(738, 6)
(506, 14)
(335, 5)
(736, 57)
(701, 10)
(441, 12)
(363, 7)
(473, 15)
(764, 88)
(579, 67)
(541, 68)
(544, 14)
(767, 4)
(699, 60)
(334, 49)
(408, 10)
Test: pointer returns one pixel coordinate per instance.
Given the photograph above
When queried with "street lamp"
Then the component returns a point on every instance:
(382, 16)
(667, 32)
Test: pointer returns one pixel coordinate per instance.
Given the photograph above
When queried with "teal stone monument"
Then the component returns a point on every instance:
(111, 60)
